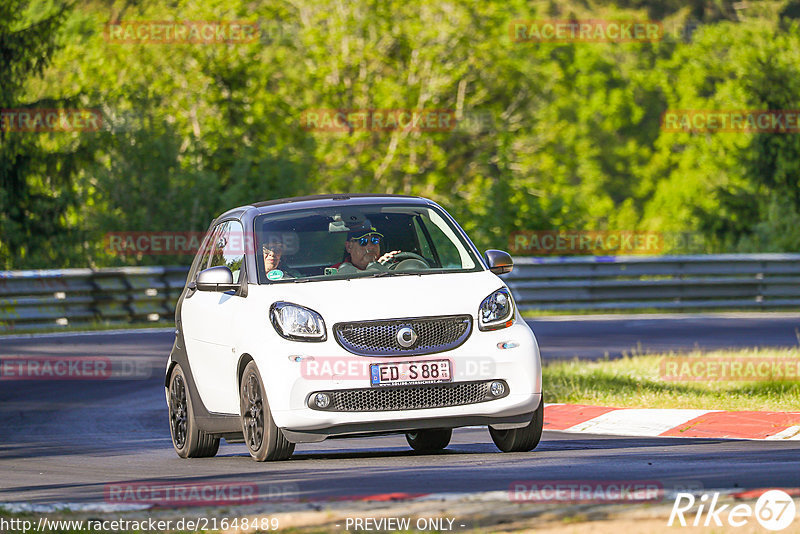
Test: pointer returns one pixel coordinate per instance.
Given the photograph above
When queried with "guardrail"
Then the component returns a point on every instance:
(722, 281)
(31, 300)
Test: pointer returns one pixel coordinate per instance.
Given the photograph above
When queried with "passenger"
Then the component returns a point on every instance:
(272, 253)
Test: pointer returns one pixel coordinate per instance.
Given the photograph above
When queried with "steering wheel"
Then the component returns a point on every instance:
(413, 260)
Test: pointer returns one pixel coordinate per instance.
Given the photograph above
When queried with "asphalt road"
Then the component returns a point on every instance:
(558, 337)
(589, 339)
(66, 441)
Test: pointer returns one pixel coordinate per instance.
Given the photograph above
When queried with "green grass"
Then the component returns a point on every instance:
(636, 381)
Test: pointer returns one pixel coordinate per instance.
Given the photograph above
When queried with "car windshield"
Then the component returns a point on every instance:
(312, 244)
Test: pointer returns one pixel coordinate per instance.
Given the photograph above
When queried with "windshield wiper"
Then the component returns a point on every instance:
(376, 274)
(301, 280)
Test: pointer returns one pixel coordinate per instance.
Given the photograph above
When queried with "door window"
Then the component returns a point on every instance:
(228, 249)
(206, 252)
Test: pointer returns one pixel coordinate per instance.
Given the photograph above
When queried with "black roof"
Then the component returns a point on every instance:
(334, 197)
(320, 201)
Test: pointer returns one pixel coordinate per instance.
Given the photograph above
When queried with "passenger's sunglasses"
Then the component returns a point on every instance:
(375, 240)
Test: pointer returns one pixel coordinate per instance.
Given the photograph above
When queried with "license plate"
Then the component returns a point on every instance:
(401, 373)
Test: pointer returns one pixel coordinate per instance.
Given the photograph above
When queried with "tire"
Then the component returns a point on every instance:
(521, 439)
(189, 441)
(265, 441)
(434, 439)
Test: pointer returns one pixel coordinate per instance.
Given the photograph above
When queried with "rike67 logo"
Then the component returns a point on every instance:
(774, 510)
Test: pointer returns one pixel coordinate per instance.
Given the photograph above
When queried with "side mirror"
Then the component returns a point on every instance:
(499, 262)
(218, 278)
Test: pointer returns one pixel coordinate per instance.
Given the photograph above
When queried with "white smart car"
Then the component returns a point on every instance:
(327, 316)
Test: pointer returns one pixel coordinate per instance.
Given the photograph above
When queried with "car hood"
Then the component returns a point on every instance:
(363, 299)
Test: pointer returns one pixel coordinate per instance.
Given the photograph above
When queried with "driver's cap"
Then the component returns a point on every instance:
(362, 230)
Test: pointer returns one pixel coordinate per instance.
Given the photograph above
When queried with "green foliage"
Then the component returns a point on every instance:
(35, 171)
(549, 135)
(726, 185)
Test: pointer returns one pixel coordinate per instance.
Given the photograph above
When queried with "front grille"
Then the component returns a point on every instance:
(408, 397)
(379, 338)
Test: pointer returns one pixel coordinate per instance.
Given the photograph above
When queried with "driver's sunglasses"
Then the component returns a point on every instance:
(375, 240)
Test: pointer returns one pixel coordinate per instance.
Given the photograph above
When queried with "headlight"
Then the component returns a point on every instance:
(297, 322)
(496, 311)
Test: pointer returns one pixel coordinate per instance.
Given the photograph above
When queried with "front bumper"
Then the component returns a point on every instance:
(500, 422)
(289, 385)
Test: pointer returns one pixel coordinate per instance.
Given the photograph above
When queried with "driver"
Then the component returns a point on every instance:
(362, 248)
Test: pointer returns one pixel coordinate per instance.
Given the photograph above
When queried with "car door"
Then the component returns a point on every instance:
(208, 319)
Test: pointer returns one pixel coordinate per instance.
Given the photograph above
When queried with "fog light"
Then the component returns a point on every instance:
(497, 389)
(322, 400)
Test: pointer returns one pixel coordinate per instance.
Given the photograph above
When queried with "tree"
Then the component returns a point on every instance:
(36, 168)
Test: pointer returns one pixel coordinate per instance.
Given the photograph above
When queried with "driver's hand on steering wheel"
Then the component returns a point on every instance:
(387, 257)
